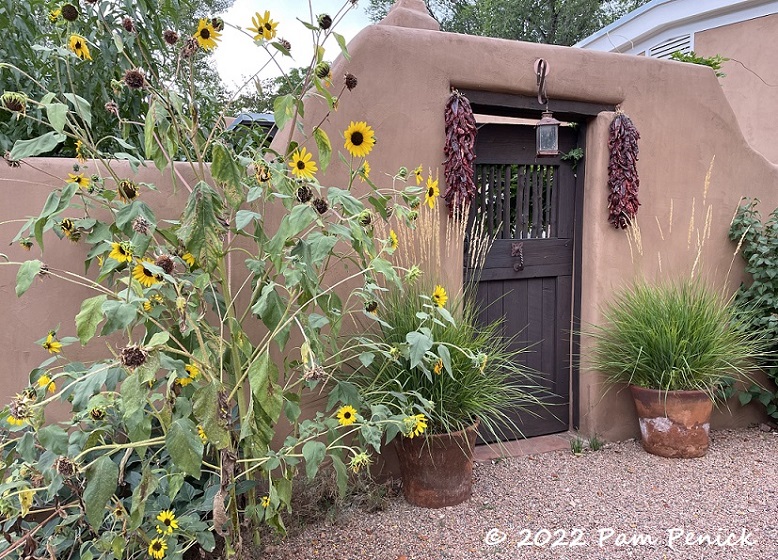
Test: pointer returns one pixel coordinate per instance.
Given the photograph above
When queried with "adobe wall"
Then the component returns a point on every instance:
(405, 73)
(751, 81)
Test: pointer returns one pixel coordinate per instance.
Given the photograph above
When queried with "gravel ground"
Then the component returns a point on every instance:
(618, 502)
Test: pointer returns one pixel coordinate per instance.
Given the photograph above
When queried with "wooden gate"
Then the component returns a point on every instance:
(529, 205)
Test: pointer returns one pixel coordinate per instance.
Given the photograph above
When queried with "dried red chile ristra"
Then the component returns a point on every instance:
(460, 152)
(623, 180)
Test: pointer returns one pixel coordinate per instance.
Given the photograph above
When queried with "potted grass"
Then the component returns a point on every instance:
(675, 344)
(448, 375)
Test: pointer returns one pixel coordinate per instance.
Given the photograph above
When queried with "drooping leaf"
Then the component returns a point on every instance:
(201, 228)
(325, 148)
(419, 344)
(54, 438)
(89, 317)
(83, 107)
(102, 478)
(268, 394)
(206, 410)
(226, 170)
(185, 446)
(313, 453)
(36, 146)
(27, 273)
(342, 44)
(118, 315)
(57, 113)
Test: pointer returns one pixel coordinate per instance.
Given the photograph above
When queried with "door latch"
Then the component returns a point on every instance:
(517, 250)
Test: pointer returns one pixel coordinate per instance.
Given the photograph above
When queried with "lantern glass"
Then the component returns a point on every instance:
(547, 141)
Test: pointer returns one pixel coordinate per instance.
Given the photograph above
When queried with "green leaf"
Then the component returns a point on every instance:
(37, 146)
(745, 398)
(206, 410)
(158, 339)
(185, 446)
(133, 396)
(89, 317)
(313, 453)
(263, 378)
(118, 315)
(57, 113)
(284, 109)
(148, 484)
(102, 478)
(27, 273)
(342, 44)
(201, 229)
(83, 108)
(225, 169)
(445, 356)
(419, 344)
(271, 309)
(341, 473)
(325, 148)
(53, 438)
(244, 217)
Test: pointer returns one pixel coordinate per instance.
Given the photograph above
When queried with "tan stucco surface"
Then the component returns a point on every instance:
(751, 81)
(405, 76)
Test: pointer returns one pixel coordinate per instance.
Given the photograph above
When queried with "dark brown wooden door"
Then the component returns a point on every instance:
(527, 278)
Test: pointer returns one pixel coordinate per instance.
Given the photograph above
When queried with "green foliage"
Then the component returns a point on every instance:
(456, 369)
(714, 62)
(576, 446)
(557, 22)
(673, 336)
(758, 243)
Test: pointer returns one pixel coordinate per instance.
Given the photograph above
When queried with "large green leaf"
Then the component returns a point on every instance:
(270, 307)
(201, 228)
(148, 484)
(325, 148)
(418, 345)
(89, 317)
(118, 315)
(54, 438)
(263, 378)
(83, 108)
(206, 410)
(27, 273)
(313, 453)
(185, 446)
(226, 170)
(36, 146)
(57, 113)
(101, 480)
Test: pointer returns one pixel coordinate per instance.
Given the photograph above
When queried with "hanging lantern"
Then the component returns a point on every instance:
(547, 136)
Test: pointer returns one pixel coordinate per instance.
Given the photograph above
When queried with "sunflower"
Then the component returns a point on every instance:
(439, 296)
(418, 174)
(54, 15)
(432, 192)
(26, 497)
(438, 367)
(189, 259)
(301, 164)
(206, 35)
(201, 433)
(360, 139)
(359, 460)
(80, 151)
(167, 522)
(264, 27)
(78, 45)
(79, 180)
(347, 415)
(157, 548)
(364, 171)
(144, 275)
(51, 344)
(192, 371)
(393, 241)
(415, 425)
(16, 421)
(45, 382)
(121, 252)
(265, 501)
(67, 226)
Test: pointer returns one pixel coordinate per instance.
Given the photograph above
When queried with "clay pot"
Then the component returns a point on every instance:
(437, 470)
(673, 423)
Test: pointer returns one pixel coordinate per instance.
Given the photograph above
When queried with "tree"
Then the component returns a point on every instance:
(557, 22)
(38, 46)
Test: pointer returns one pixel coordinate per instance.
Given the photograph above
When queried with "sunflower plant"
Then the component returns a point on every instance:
(187, 432)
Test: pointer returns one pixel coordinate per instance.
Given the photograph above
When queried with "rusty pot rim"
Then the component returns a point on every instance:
(673, 391)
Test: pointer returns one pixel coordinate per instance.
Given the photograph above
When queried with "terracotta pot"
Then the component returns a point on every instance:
(437, 470)
(673, 423)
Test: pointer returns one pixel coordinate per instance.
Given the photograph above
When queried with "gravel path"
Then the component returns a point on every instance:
(619, 502)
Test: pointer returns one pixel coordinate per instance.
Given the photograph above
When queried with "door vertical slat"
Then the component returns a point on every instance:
(506, 193)
(526, 191)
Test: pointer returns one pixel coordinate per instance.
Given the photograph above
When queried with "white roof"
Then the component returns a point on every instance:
(662, 20)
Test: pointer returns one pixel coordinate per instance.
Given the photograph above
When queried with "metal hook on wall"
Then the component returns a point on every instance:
(541, 71)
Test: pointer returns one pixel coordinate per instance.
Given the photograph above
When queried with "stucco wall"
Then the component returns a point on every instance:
(751, 81)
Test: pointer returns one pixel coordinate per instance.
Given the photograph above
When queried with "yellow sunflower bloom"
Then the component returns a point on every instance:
(264, 27)
(78, 45)
(15, 421)
(418, 174)
(394, 242)
(206, 35)
(301, 164)
(360, 139)
(415, 425)
(192, 371)
(144, 275)
(121, 252)
(364, 171)
(80, 153)
(54, 15)
(80, 180)
(438, 367)
(347, 415)
(439, 296)
(157, 548)
(432, 192)
(189, 259)
(25, 500)
(45, 382)
(51, 344)
(201, 433)
(265, 501)
(167, 522)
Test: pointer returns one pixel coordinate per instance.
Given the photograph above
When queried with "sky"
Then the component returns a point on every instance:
(237, 57)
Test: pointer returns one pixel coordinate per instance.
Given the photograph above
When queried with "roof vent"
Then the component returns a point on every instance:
(667, 48)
